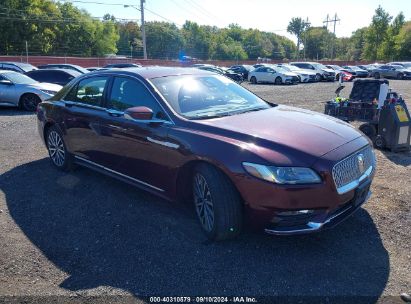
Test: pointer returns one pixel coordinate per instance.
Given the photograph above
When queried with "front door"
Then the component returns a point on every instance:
(7, 92)
(144, 144)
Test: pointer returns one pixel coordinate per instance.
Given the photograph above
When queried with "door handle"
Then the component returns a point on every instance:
(114, 113)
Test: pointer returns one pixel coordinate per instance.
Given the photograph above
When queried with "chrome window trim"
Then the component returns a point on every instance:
(83, 105)
(118, 173)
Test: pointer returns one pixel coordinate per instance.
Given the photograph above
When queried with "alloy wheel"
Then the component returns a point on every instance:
(30, 102)
(203, 202)
(56, 148)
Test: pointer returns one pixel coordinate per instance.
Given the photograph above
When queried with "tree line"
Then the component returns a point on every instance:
(385, 39)
(55, 28)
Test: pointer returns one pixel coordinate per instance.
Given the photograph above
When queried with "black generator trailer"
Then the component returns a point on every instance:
(387, 122)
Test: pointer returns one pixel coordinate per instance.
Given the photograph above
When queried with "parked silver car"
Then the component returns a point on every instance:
(21, 91)
(321, 71)
(272, 74)
(303, 75)
(392, 71)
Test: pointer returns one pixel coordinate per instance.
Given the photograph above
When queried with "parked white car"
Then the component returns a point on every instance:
(272, 74)
(21, 91)
(303, 75)
(321, 71)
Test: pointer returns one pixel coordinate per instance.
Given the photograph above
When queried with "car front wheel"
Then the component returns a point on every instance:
(56, 147)
(217, 203)
(253, 80)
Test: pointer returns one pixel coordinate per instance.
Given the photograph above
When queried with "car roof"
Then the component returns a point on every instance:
(154, 72)
(67, 71)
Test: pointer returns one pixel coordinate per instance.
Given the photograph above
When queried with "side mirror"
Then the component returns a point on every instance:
(6, 82)
(139, 113)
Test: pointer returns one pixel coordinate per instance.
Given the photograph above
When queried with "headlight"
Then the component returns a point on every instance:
(283, 175)
(49, 92)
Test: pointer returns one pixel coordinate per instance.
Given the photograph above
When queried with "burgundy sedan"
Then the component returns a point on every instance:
(189, 134)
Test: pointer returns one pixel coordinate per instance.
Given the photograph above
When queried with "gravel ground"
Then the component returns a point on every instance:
(72, 237)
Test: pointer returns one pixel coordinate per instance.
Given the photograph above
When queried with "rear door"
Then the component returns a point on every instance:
(83, 108)
(384, 71)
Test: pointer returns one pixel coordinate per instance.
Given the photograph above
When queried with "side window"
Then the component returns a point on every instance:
(39, 76)
(88, 91)
(10, 67)
(127, 93)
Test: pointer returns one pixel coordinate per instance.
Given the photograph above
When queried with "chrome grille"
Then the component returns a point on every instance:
(348, 172)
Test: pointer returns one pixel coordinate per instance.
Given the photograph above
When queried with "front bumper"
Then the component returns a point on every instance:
(329, 77)
(323, 220)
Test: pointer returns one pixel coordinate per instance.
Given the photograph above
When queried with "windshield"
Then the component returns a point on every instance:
(290, 68)
(398, 67)
(18, 78)
(26, 67)
(407, 65)
(319, 66)
(202, 97)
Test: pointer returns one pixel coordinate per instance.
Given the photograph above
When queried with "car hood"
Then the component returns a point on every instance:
(46, 86)
(328, 70)
(306, 72)
(287, 127)
(290, 74)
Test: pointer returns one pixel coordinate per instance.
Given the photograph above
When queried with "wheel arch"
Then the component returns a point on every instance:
(25, 94)
(184, 178)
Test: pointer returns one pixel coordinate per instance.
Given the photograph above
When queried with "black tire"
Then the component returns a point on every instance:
(369, 130)
(377, 75)
(318, 77)
(220, 199)
(29, 102)
(253, 80)
(379, 142)
(278, 80)
(400, 76)
(59, 155)
(337, 77)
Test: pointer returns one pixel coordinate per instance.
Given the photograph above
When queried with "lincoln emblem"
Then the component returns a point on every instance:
(361, 163)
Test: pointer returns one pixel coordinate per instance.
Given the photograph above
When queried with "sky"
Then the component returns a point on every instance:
(266, 15)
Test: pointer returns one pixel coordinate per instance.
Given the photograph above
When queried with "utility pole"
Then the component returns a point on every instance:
(143, 30)
(27, 53)
(306, 26)
(335, 22)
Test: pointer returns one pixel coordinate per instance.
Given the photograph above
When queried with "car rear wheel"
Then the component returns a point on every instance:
(58, 153)
(377, 75)
(253, 80)
(217, 203)
(278, 80)
(369, 130)
(379, 142)
(29, 102)
(400, 76)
